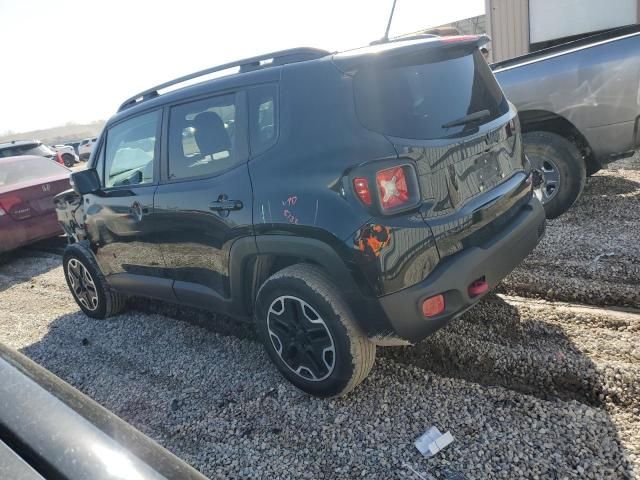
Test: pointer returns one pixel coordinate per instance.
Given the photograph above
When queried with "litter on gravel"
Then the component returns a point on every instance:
(432, 441)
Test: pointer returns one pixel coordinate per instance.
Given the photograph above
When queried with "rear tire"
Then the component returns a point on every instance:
(559, 170)
(68, 160)
(88, 286)
(310, 334)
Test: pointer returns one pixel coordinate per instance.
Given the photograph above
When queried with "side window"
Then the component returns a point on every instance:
(205, 137)
(130, 151)
(98, 163)
(263, 128)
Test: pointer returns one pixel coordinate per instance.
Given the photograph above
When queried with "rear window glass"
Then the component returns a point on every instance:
(262, 118)
(28, 169)
(415, 101)
(38, 150)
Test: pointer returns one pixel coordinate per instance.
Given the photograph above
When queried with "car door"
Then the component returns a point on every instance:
(120, 218)
(204, 202)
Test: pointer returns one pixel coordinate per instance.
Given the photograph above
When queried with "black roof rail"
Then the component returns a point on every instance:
(246, 65)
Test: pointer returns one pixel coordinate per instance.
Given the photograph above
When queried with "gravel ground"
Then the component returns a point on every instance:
(530, 388)
(590, 254)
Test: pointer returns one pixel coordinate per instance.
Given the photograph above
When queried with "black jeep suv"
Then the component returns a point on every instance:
(343, 201)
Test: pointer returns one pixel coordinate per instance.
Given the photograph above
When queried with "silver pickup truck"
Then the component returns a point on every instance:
(579, 107)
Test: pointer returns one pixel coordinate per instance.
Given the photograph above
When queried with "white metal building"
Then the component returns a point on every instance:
(517, 27)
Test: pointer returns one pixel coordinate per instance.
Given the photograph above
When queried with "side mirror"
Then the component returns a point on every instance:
(85, 181)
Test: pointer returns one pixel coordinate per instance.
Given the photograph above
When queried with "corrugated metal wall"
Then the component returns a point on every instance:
(508, 27)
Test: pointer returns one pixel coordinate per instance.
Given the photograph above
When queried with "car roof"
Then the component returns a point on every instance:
(250, 71)
(19, 143)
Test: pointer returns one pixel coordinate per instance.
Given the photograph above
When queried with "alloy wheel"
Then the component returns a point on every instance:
(301, 338)
(82, 285)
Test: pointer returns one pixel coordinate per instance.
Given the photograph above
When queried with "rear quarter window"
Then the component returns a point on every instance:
(416, 100)
(263, 118)
(37, 150)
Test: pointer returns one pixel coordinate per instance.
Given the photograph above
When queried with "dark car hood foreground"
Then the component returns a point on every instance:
(50, 430)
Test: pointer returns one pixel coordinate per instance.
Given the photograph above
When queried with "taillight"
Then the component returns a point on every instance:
(59, 158)
(388, 190)
(361, 187)
(8, 204)
(392, 188)
(9, 201)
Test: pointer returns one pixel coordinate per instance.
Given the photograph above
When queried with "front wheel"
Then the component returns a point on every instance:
(88, 286)
(309, 332)
(559, 172)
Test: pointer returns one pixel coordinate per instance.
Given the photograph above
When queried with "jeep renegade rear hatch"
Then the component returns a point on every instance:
(439, 104)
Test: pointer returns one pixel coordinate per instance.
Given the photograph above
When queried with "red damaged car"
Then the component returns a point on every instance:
(27, 187)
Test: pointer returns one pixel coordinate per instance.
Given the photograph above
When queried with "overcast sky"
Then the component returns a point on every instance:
(74, 60)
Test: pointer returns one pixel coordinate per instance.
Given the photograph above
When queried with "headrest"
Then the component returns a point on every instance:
(210, 135)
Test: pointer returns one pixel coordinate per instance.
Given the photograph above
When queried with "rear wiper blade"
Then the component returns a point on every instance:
(472, 117)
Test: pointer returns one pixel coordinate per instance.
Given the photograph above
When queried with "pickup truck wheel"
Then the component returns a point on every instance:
(309, 332)
(88, 286)
(559, 172)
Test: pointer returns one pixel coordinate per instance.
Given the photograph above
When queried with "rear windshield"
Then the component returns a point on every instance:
(415, 101)
(28, 169)
(34, 149)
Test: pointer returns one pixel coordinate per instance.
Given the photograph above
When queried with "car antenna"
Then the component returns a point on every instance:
(385, 39)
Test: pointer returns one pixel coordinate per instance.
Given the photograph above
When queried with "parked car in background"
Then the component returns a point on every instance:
(579, 107)
(75, 144)
(17, 148)
(33, 147)
(50, 430)
(86, 147)
(67, 153)
(27, 187)
(371, 212)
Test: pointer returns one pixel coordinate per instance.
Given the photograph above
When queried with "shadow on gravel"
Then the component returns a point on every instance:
(493, 346)
(220, 324)
(607, 185)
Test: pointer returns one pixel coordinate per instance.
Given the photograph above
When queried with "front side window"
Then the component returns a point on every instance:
(203, 138)
(130, 151)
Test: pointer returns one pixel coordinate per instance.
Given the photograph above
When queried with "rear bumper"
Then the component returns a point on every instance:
(14, 234)
(452, 278)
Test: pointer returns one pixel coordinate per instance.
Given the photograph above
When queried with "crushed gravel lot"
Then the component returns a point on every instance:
(541, 380)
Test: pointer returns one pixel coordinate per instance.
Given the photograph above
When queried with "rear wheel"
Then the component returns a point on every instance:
(87, 284)
(309, 333)
(559, 172)
(67, 158)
